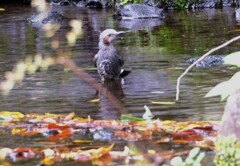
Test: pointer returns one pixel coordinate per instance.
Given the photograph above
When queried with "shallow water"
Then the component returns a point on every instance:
(155, 55)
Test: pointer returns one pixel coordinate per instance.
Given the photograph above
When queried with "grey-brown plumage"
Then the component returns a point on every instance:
(108, 61)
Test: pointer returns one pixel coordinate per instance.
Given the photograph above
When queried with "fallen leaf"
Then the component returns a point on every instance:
(163, 102)
(94, 100)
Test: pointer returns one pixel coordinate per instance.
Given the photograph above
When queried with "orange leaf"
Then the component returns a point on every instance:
(20, 150)
(61, 134)
(58, 126)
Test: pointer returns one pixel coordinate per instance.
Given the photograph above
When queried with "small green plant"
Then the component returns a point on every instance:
(227, 151)
(180, 4)
(194, 158)
(124, 2)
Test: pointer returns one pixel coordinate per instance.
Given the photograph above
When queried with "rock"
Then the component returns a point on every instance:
(231, 117)
(61, 2)
(46, 17)
(139, 11)
(98, 3)
(207, 61)
(137, 24)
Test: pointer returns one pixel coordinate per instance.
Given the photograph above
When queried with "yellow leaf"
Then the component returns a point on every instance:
(8, 116)
(82, 141)
(94, 100)
(163, 102)
(2, 9)
(18, 131)
(48, 161)
(70, 116)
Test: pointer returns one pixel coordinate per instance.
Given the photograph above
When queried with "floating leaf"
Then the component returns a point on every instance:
(82, 141)
(163, 102)
(232, 59)
(148, 114)
(94, 100)
(130, 118)
(2, 9)
(69, 116)
(9, 116)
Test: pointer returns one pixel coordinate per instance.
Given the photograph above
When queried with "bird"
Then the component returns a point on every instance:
(107, 60)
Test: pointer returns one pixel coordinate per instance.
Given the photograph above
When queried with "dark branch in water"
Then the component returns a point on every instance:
(92, 82)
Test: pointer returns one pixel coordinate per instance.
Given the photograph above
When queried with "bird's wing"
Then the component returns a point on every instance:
(95, 60)
(120, 58)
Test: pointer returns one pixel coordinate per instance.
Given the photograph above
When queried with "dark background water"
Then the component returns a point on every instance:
(156, 56)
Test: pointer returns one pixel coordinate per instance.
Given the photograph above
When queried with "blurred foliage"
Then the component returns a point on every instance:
(227, 151)
(180, 4)
(31, 65)
(194, 158)
(124, 2)
(226, 88)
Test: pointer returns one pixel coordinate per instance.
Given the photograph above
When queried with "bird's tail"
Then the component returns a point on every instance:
(124, 73)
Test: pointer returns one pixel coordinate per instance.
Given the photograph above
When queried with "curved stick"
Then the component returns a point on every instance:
(201, 58)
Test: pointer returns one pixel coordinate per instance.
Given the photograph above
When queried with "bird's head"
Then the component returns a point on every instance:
(107, 36)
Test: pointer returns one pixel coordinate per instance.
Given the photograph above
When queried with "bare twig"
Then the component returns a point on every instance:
(201, 58)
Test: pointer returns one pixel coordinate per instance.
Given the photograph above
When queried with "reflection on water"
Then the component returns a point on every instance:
(107, 109)
(155, 55)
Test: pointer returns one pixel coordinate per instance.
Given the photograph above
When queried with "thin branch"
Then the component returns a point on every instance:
(201, 58)
(64, 60)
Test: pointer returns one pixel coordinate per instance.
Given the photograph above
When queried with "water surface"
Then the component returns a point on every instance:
(156, 56)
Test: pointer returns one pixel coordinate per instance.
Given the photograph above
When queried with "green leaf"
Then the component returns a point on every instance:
(194, 152)
(130, 118)
(232, 59)
(218, 89)
(226, 88)
(148, 114)
(200, 157)
(176, 161)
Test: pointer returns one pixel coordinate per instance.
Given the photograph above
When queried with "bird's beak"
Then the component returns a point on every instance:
(120, 32)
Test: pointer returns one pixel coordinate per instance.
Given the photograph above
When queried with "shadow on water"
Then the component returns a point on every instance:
(155, 55)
